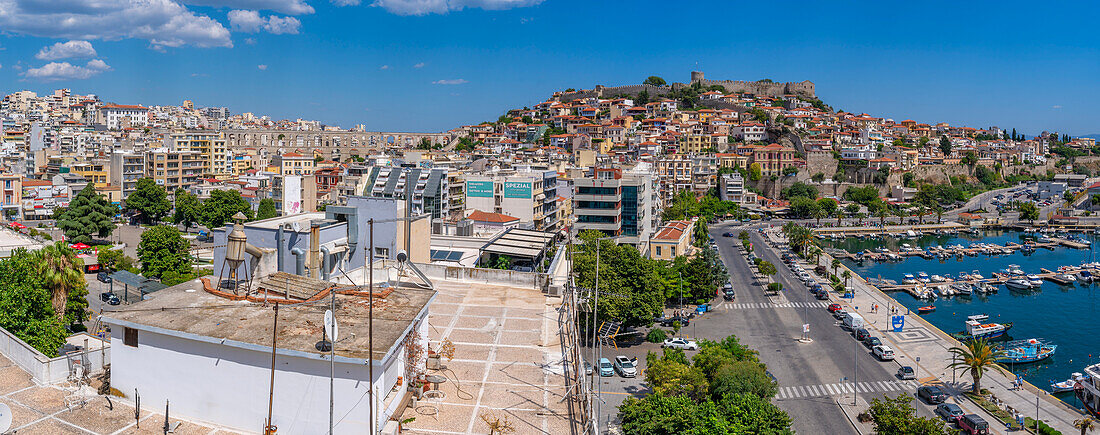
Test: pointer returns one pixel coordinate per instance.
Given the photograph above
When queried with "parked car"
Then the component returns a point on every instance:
(821, 295)
(625, 367)
(727, 234)
(588, 368)
(606, 368)
(862, 334)
(834, 308)
(103, 277)
(840, 314)
(906, 372)
(950, 412)
(109, 298)
(680, 343)
(883, 352)
(668, 321)
(728, 295)
(931, 394)
(871, 341)
(973, 424)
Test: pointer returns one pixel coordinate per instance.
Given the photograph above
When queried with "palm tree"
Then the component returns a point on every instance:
(816, 253)
(861, 216)
(921, 211)
(847, 274)
(62, 272)
(1095, 200)
(839, 216)
(881, 215)
(976, 357)
(1085, 424)
(939, 213)
(818, 213)
(836, 265)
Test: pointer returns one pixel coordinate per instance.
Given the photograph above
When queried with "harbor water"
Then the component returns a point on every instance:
(1066, 315)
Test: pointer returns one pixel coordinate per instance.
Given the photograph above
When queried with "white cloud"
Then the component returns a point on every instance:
(250, 41)
(164, 23)
(252, 22)
(55, 71)
(65, 50)
(279, 26)
(292, 7)
(419, 65)
(450, 82)
(424, 7)
(1056, 107)
(262, 67)
(384, 67)
(245, 21)
(346, 2)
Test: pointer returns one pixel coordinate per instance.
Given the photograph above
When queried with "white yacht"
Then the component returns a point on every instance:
(923, 277)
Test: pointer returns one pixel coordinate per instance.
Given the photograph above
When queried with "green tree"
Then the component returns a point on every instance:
(742, 377)
(1085, 424)
(63, 274)
(658, 414)
(188, 209)
(975, 357)
(115, 259)
(635, 288)
(654, 80)
(1028, 211)
(897, 416)
(671, 375)
(266, 210)
(89, 214)
(798, 189)
(149, 199)
(163, 250)
(766, 268)
(25, 304)
(755, 171)
(221, 206)
(945, 145)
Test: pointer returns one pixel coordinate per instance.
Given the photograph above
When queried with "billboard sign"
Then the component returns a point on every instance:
(517, 189)
(479, 189)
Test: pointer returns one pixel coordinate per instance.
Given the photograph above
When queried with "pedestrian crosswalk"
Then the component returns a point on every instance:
(758, 305)
(823, 390)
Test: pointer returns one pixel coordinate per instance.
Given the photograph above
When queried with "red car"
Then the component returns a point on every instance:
(833, 307)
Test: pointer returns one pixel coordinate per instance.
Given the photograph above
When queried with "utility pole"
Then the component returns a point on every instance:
(370, 320)
(269, 429)
(331, 363)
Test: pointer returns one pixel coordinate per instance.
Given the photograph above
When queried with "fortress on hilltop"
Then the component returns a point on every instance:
(804, 88)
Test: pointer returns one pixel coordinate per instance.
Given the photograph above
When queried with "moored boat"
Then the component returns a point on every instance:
(1068, 384)
(908, 279)
(927, 309)
(1018, 284)
(976, 330)
(1026, 351)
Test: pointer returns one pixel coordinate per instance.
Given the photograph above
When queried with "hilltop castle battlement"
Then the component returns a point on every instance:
(804, 88)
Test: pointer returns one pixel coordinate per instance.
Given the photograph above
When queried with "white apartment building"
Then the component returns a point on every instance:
(119, 116)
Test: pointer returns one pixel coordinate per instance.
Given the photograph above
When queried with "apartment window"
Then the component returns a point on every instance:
(381, 252)
(658, 251)
(130, 337)
(673, 251)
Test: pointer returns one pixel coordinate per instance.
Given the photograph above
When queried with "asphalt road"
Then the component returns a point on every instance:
(808, 374)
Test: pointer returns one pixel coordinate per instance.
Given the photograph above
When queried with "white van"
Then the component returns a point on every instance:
(853, 321)
(883, 352)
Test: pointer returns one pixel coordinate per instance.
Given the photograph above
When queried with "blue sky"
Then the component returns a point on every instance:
(430, 65)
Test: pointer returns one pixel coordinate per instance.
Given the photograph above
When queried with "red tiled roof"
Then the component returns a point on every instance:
(500, 218)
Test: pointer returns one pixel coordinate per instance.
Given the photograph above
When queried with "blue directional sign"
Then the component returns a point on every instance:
(898, 322)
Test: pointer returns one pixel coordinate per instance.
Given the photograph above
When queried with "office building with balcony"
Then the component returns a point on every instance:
(126, 168)
(210, 144)
(620, 204)
(529, 194)
(175, 169)
(428, 188)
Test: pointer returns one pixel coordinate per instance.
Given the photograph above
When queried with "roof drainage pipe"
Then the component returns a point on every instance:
(299, 261)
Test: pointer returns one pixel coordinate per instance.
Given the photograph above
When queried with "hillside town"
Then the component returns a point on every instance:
(542, 272)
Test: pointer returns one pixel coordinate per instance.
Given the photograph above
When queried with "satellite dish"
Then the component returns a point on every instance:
(5, 418)
(297, 226)
(402, 256)
(331, 329)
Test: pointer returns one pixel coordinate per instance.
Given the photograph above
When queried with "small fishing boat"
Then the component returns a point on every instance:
(1035, 280)
(1027, 249)
(937, 278)
(1084, 276)
(1068, 384)
(962, 289)
(927, 309)
(976, 275)
(923, 277)
(1026, 351)
(1014, 270)
(1067, 277)
(908, 279)
(985, 288)
(976, 330)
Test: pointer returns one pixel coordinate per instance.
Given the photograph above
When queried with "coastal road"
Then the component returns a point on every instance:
(811, 376)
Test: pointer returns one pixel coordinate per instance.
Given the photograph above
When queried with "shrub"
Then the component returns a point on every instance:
(656, 335)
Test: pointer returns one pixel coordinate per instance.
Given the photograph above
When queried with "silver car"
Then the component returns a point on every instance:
(625, 367)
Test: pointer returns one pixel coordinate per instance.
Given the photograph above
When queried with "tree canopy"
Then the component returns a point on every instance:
(149, 199)
(221, 206)
(266, 209)
(188, 209)
(654, 80)
(798, 189)
(89, 214)
(164, 254)
(25, 308)
(897, 416)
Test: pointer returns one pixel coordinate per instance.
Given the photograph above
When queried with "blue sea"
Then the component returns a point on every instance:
(1065, 315)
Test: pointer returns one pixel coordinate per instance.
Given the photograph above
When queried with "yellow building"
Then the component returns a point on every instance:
(95, 172)
(175, 169)
(211, 145)
(674, 239)
(293, 164)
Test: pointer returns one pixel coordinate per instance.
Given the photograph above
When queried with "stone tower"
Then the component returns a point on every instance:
(696, 76)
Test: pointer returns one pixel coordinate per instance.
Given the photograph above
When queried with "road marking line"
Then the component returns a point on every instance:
(867, 387)
(836, 388)
(820, 392)
(783, 392)
(882, 385)
(848, 386)
(803, 391)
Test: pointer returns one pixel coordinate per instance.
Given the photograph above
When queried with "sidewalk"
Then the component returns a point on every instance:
(925, 348)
